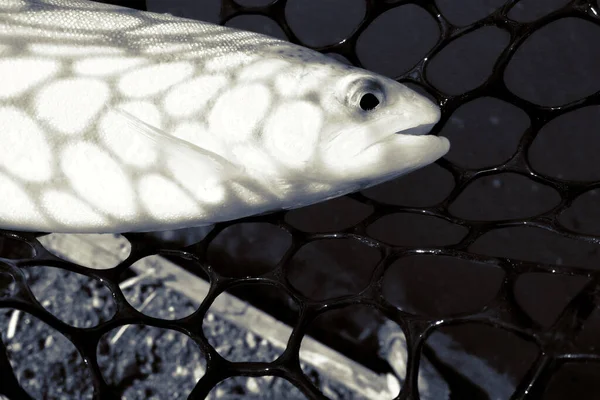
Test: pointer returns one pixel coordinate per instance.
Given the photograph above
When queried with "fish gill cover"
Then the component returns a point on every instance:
(493, 250)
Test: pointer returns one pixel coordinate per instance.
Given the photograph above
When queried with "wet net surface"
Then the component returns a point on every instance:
(495, 247)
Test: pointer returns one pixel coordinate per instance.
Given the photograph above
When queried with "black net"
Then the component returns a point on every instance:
(493, 252)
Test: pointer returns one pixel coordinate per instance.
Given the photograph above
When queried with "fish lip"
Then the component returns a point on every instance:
(418, 130)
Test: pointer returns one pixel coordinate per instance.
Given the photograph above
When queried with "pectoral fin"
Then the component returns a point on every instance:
(180, 150)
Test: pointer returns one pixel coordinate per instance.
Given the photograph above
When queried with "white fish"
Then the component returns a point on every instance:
(115, 120)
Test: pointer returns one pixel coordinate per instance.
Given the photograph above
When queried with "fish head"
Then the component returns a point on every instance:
(352, 128)
(376, 128)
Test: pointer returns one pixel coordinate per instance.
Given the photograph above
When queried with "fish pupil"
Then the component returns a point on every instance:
(369, 101)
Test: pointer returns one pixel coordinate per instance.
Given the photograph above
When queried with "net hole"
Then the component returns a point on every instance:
(75, 299)
(15, 249)
(46, 364)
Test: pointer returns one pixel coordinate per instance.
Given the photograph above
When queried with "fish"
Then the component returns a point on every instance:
(117, 120)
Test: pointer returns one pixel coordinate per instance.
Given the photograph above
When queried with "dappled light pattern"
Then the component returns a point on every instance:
(473, 277)
(120, 120)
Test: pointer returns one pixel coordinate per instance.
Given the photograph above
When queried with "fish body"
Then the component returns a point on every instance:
(115, 120)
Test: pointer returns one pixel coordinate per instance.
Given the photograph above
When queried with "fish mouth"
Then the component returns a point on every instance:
(417, 140)
(418, 130)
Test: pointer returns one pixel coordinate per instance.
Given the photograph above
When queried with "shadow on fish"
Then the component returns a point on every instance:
(117, 120)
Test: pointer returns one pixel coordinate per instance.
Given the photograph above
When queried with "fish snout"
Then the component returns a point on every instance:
(418, 114)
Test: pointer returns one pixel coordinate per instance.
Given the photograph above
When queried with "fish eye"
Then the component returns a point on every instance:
(366, 94)
(369, 101)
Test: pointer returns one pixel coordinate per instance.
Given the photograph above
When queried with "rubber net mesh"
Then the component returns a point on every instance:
(541, 349)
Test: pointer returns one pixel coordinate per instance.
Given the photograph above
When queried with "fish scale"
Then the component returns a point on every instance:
(121, 120)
